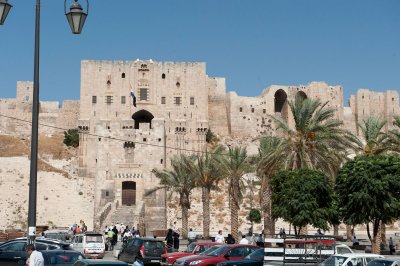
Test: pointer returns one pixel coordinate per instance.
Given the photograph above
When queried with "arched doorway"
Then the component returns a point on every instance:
(142, 116)
(301, 94)
(281, 104)
(128, 193)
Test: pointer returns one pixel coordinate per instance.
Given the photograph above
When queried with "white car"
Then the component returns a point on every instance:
(355, 259)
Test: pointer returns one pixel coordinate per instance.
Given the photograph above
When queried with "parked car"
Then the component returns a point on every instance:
(193, 248)
(355, 259)
(148, 249)
(62, 235)
(13, 251)
(99, 263)
(182, 261)
(60, 257)
(91, 245)
(224, 253)
(253, 259)
(384, 262)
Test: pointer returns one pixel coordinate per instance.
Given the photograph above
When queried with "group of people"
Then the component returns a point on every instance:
(254, 240)
(119, 232)
(172, 238)
(79, 228)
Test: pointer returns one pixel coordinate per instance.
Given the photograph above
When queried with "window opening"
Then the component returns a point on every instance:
(123, 75)
(143, 94)
(177, 100)
(109, 99)
(94, 99)
(123, 99)
(163, 100)
(191, 100)
(163, 76)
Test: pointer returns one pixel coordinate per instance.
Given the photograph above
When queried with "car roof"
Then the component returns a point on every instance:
(59, 251)
(358, 255)
(207, 243)
(148, 239)
(102, 262)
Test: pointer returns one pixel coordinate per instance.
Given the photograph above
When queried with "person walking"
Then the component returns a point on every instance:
(170, 240)
(391, 246)
(230, 239)
(219, 238)
(176, 241)
(244, 240)
(35, 258)
(191, 236)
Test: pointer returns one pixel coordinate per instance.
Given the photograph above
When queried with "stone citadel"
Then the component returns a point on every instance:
(176, 104)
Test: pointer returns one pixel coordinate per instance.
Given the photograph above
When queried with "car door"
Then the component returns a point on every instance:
(236, 253)
(12, 253)
(77, 243)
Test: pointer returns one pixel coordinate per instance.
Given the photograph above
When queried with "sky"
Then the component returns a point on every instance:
(251, 43)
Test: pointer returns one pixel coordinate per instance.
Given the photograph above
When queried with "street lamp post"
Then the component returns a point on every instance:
(76, 18)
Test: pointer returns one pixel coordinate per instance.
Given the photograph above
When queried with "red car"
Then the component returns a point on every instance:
(224, 253)
(193, 248)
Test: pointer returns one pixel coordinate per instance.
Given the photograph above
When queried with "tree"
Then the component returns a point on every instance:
(317, 141)
(234, 165)
(181, 180)
(376, 141)
(208, 176)
(368, 189)
(302, 197)
(71, 137)
(394, 135)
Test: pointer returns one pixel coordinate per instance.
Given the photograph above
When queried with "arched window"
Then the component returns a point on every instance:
(128, 193)
(163, 76)
(142, 116)
(123, 75)
(302, 94)
(281, 105)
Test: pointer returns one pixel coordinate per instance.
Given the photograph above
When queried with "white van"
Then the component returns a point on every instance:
(91, 245)
(355, 259)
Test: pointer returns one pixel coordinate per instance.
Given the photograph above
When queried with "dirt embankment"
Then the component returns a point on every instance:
(49, 148)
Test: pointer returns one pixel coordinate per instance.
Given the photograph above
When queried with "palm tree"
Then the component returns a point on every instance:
(376, 141)
(181, 180)
(266, 168)
(394, 135)
(317, 141)
(208, 175)
(234, 165)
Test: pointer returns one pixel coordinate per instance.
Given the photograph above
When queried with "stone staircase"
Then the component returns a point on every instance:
(128, 215)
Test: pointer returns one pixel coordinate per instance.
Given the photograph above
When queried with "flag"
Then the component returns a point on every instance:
(133, 98)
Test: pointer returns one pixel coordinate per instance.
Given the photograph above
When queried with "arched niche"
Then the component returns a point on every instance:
(142, 116)
(281, 104)
(301, 94)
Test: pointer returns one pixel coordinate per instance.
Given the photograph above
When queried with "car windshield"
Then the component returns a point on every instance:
(64, 258)
(380, 263)
(219, 251)
(259, 253)
(94, 239)
(191, 247)
(334, 261)
(209, 250)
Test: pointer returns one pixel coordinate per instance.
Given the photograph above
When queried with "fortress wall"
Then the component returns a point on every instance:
(68, 115)
(217, 107)
(247, 115)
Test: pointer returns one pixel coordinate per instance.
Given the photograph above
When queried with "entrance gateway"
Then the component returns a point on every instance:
(128, 193)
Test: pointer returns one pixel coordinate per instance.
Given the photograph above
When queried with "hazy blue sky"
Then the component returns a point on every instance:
(252, 43)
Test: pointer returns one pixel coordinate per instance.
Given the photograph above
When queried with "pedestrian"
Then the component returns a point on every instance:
(110, 238)
(191, 236)
(391, 246)
(260, 240)
(138, 262)
(176, 241)
(35, 258)
(219, 238)
(244, 240)
(115, 236)
(170, 240)
(355, 241)
(78, 230)
(230, 239)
